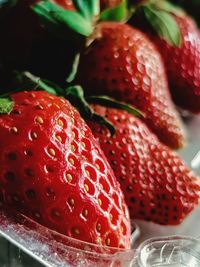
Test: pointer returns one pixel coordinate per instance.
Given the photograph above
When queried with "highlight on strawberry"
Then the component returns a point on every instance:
(156, 183)
(136, 71)
(87, 156)
(53, 170)
(177, 38)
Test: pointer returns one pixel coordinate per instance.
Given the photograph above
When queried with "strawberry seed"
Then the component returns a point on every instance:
(39, 120)
(52, 152)
(34, 135)
(69, 177)
(100, 202)
(98, 227)
(10, 176)
(85, 212)
(75, 231)
(108, 241)
(14, 130)
(86, 187)
(12, 156)
(31, 194)
(71, 202)
(59, 138)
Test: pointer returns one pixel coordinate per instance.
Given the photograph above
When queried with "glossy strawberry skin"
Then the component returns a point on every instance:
(124, 64)
(53, 171)
(156, 183)
(183, 65)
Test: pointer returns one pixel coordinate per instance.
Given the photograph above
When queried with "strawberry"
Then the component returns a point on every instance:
(176, 37)
(123, 63)
(158, 186)
(183, 64)
(53, 170)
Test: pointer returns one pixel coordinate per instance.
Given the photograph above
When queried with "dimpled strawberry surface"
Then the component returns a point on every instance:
(53, 171)
(183, 64)
(157, 184)
(123, 63)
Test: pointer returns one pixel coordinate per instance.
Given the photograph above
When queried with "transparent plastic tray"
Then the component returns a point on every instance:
(170, 251)
(25, 243)
(30, 244)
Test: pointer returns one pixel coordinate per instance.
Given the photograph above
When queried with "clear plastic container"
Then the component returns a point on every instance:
(172, 251)
(30, 244)
(53, 249)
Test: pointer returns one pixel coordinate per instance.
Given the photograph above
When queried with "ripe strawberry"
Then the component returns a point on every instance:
(183, 64)
(157, 185)
(53, 170)
(123, 63)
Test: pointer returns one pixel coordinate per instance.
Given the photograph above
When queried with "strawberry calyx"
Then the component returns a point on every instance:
(58, 18)
(6, 105)
(159, 16)
(118, 13)
(110, 102)
(81, 25)
(82, 21)
(73, 93)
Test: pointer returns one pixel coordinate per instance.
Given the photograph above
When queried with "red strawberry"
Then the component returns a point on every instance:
(157, 185)
(183, 64)
(123, 63)
(53, 170)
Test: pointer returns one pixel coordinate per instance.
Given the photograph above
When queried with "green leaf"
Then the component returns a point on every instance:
(6, 105)
(164, 24)
(101, 120)
(118, 13)
(38, 83)
(87, 8)
(75, 95)
(110, 102)
(94, 6)
(59, 17)
(74, 69)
